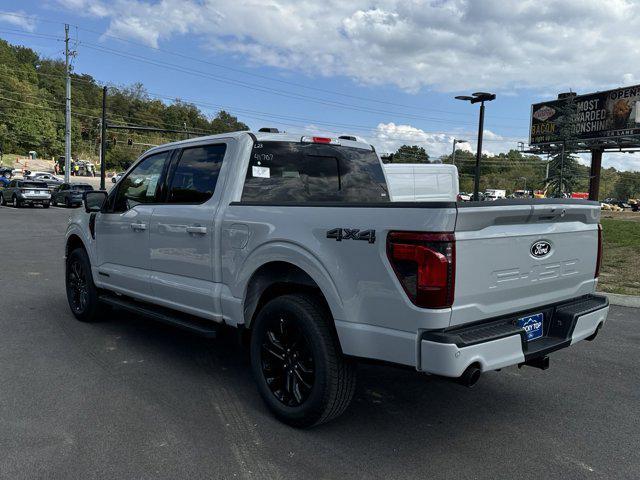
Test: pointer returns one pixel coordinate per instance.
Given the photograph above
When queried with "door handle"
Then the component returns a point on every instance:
(138, 226)
(197, 230)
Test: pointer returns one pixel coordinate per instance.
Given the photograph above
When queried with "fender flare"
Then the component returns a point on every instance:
(298, 256)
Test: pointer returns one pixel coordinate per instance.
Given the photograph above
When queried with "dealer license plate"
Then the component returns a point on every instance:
(532, 325)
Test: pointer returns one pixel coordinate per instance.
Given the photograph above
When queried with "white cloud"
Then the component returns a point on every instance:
(618, 160)
(447, 45)
(388, 137)
(20, 19)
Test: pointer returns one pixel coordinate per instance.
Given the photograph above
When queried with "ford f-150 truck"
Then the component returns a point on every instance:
(295, 241)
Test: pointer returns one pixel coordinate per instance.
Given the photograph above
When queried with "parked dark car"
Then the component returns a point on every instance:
(25, 192)
(70, 194)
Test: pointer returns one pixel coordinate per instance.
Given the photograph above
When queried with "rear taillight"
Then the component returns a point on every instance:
(425, 266)
(599, 257)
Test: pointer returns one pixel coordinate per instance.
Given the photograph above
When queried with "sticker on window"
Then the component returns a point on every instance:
(261, 172)
(153, 183)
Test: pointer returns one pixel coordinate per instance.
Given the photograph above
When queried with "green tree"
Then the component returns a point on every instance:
(627, 186)
(564, 167)
(225, 122)
(409, 154)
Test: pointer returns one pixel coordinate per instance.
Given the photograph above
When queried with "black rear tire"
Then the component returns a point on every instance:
(296, 361)
(45, 205)
(67, 202)
(16, 202)
(82, 294)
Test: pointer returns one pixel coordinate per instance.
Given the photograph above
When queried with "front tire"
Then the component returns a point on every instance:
(16, 202)
(297, 363)
(67, 202)
(82, 294)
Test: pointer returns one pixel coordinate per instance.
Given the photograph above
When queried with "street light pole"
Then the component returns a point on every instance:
(476, 180)
(453, 154)
(478, 97)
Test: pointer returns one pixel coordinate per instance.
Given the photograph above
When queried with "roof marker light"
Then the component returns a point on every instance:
(326, 140)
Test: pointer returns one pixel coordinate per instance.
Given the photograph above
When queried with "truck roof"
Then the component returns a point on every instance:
(269, 136)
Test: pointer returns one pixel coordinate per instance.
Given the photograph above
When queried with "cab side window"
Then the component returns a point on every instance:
(196, 174)
(142, 184)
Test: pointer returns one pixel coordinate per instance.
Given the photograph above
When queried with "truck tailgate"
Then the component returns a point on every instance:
(515, 257)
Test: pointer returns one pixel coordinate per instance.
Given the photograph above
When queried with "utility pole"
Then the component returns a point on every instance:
(67, 122)
(103, 138)
(561, 186)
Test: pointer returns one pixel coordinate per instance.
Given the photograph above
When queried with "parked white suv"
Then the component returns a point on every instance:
(295, 241)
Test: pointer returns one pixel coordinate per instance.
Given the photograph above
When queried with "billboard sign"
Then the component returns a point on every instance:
(596, 116)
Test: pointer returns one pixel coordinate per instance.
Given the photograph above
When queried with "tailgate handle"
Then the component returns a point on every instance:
(138, 226)
(197, 230)
(552, 215)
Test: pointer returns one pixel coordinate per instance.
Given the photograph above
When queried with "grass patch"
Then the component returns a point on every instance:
(620, 272)
(9, 160)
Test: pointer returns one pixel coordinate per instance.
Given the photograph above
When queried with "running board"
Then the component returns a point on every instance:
(191, 323)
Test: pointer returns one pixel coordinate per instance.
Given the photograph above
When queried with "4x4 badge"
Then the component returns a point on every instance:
(340, 234)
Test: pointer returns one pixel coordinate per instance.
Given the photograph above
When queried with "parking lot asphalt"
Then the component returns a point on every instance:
(127, 398)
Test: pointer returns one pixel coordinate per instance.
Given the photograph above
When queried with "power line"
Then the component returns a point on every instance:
(199, 73)
(33, 17)
(29, 34)
(285, 82)
(262, 115)
(34, 105)
(256, 75)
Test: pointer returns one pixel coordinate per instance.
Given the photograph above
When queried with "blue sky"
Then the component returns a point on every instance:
(386, 71)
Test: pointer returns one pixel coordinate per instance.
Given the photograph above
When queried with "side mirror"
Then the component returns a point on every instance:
(93, 200)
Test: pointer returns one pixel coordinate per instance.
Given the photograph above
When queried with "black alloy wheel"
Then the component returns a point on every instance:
(287, 361)
(82, 293)
(297, 363)
(77, 286)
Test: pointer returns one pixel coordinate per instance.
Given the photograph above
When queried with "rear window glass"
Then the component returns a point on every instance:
(81, 187)
(310, 172)
(34, 184)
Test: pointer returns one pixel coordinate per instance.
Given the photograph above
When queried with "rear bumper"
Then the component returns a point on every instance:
(498, 343)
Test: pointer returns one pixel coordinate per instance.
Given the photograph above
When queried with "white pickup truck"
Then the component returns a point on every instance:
(295, 241)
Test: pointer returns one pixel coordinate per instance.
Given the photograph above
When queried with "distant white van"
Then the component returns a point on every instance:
(420, 182)
(494, 194)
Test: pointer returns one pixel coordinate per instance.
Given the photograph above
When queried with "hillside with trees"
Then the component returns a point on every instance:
(32, 96)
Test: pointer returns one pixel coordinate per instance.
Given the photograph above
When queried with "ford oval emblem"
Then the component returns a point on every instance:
(540, 249)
